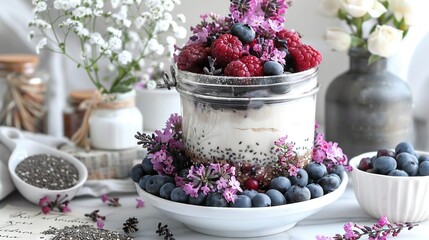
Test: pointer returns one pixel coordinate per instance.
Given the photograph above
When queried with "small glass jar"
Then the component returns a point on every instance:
(22, 93)
(73, 114)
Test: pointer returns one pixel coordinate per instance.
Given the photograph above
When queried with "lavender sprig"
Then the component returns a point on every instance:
(379, 231)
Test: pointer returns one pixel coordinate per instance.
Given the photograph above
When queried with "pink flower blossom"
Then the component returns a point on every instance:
(190, 190)
(350, 234)
(229, 195)
(383, 221)
(65, 209)
(221, 183)
(43, 201)
(104, 198)
(318, 237)
(46, 209)
(205, 189)
(140, 203)
(293, 170)
(234, 184)
(100, 224)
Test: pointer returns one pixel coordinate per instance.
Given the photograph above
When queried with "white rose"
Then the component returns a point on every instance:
(406, 9)
(338, 39)
(384, 41)
(358, 8)
(329, 7)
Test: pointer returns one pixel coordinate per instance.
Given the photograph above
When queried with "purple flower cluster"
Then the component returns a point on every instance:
(264, 16)
(59, 203)
(288, 158)
(328, 153)
(203, 31)
(165, 145)
(215, 177)
(379, 231)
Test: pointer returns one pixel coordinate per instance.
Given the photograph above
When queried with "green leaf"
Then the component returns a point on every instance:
(120, 89)
(129, 81)
(373, 58)
(357, 42)
(342, 14)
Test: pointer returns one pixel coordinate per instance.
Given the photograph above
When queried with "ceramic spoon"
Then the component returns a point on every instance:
(21, 148)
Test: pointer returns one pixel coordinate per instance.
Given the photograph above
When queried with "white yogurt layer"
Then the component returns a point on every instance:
(247, 135)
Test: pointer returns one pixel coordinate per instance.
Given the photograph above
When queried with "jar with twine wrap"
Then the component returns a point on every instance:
(22, 93)
(110, 122)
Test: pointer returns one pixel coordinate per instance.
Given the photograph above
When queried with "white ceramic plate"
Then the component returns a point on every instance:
(241, 222)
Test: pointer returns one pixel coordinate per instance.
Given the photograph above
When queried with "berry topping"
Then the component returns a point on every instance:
(292, 38)
(237, 69)
(305, 57)
(254, 65)
(273, 68)
(243, 31)
(251, 183)
(193, 58)
(226, 49)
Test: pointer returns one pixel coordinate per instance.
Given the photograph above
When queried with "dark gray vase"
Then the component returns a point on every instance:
(367, 107)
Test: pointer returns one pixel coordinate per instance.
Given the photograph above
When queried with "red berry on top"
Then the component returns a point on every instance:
(292, 38)
(193, 58)
(226, 49)
(254, 65)
(237, 69)
(305, 57)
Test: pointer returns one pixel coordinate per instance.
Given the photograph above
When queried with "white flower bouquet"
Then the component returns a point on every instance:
(377, 25)
(122, 34)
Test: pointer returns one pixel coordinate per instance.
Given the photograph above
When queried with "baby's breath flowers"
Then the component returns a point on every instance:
(122, 34)
(379, 231)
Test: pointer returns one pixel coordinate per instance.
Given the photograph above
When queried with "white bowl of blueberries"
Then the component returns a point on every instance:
(393, 183)
(286, 201)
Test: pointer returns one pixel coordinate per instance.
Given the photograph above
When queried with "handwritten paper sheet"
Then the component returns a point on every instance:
(28, 224)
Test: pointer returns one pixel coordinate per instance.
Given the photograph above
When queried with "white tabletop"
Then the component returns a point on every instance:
(328, 221)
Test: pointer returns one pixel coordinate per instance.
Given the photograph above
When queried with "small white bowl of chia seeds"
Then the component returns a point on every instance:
(38, 170)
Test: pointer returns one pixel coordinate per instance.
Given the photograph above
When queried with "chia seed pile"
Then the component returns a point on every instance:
(84, 232)
(48, 172)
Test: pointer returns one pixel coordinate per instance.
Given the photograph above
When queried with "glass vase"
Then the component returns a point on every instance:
(368, 107)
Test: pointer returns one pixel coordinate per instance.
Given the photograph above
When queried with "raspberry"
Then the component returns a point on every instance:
(292, 38)
(237, 69)
(305, 57)
(226, 49)
(193, 58)
(254, 65)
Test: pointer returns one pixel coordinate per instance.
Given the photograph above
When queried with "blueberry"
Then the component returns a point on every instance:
(315, 189)
(143, 180)
(179, 195)
(273, 68)
(404, 147)
(261, 200)
(277, 198)
(404, 157)
(386, 152)
(297, 194)
(199, 200)
(365, 164)
(329, 183)
(154, 184)
(250, 193)
(242, 201)
(424, 168)
(335, 176)
(398, 173)
(280, 183)
(423, 158)
(316, 170)
(337, 169)
(168, 179)
(166, 189)
(411, 167)
(300, 179)
(137, 172)
(148, 166)
(215, 199)
(384, 164)
(244, 32)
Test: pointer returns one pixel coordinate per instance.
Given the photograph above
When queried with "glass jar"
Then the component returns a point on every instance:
(238, 119)
(74, 112)
(22, 93)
